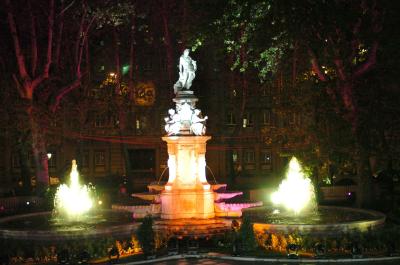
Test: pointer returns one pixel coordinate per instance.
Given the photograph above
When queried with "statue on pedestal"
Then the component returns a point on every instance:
(185, 119)
(187, 72)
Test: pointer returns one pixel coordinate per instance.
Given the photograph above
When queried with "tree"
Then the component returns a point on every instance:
(247, 236)
(40, 64)
(146, 235)
(338, 40)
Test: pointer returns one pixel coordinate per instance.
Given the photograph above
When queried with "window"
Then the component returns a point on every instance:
(234, 92)
(99, 158)
(230, 118)
(15, 161)
(265, 91)
(142, 159)
(265, 157)
(99, 121)
(294, 118)
(235, 156)
(164, 64)
(85, 159)
(141, 122)
(266, 117)
(148, 64)
(249, 156)
(247, 120)
(52, 161)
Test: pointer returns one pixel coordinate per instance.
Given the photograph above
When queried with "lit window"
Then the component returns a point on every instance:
(52, 162)
(234, 92)
(249, 156)
(235, 156)
(99, 158)
(247, 120)
(266, 157)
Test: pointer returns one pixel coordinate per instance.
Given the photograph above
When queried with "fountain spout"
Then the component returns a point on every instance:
(73, 201)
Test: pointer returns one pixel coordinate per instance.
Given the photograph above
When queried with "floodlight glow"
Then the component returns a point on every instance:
(296, 191)
(73, 200)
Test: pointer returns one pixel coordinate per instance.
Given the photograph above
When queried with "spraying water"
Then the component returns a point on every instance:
(296, 191)
(73, 201)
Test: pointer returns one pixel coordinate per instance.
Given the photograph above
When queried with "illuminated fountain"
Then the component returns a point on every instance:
(187, 196)
(73, 201)
(296, 192)
(73, 217)
(295, 209)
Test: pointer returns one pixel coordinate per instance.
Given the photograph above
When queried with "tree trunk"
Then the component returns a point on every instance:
(364, 182)
(38, 149)
(24, 163)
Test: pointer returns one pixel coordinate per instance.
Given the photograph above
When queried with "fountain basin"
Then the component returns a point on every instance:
(42, 226)
(326, 220)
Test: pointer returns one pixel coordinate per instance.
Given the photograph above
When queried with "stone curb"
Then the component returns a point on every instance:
(272, 260)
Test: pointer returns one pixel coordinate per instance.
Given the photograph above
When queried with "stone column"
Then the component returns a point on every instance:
(187, 193)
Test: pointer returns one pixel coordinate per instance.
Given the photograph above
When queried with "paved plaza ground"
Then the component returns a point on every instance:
(207, 261)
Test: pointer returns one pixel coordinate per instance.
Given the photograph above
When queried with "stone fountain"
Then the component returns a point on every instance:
(294, 208)
(75, 216)
(187, 194)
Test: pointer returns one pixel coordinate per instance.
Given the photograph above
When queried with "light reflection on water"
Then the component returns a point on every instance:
(93, 220)
(313, 217)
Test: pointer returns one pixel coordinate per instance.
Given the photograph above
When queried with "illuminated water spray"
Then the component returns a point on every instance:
(296, 191)
(73, 201)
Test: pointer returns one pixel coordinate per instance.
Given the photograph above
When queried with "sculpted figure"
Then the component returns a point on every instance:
(187, 72)
(173, 122)
(198, 123)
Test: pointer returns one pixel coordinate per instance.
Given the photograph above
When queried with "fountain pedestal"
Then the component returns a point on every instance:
(187, 193)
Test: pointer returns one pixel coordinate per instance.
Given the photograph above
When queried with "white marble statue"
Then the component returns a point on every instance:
(173, 122)
(198, 126)
(187, 72)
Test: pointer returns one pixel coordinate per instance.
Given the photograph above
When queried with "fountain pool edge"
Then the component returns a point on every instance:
(54, 235)
(377, 220)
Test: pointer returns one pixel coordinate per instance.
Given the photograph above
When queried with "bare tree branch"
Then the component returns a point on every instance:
(340, 69)
(34, 48)
(64, 91)
(19, 87)
(316, 67)
(18, 53)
